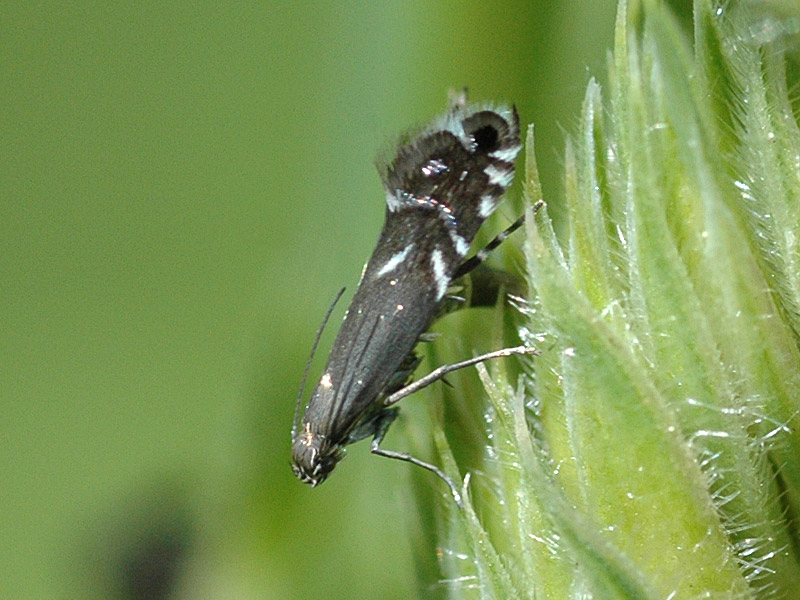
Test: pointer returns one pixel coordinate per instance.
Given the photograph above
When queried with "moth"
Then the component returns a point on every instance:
(442, 184)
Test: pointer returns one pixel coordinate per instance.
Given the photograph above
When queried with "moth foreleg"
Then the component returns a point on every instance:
(381, 424)
(440, 372)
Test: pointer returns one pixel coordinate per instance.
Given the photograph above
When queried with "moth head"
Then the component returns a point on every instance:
(313, 456)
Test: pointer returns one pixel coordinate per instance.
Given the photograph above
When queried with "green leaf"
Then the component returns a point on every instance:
(652, 449)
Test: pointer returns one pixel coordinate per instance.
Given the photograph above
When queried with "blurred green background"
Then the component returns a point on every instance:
(183, 189)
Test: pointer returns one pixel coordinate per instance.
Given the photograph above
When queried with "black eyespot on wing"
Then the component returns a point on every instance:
(488, 131)
(486, 138)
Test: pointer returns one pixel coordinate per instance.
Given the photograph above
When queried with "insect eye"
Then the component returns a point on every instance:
(486, 138)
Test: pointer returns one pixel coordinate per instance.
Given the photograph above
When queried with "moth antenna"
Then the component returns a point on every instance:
(308, 364)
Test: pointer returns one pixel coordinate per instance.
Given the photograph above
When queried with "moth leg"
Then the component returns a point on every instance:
(470, 264)
(403, 373)
(484, 284)
(381, 425)
(440, 372)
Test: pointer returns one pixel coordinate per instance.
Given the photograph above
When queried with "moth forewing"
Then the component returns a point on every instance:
(386, 316)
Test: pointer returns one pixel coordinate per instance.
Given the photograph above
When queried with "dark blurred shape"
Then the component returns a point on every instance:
(138, 550)
(150, 567)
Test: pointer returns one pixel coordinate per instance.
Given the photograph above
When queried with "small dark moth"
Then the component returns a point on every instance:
(440, 187)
